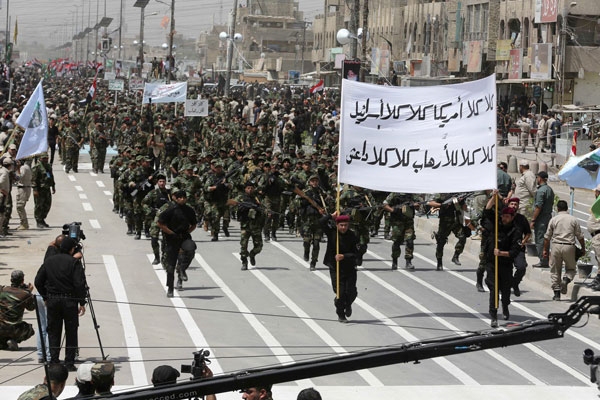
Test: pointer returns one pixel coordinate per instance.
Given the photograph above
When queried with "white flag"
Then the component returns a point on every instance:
(165, 93)
(436, 139)
(34, 119)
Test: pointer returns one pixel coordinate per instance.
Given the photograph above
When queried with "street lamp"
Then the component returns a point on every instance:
(230, 37)
(142, 5)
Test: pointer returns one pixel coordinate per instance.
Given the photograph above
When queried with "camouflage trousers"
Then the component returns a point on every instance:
(273, 205)
(18, 332)
(245, 235)
(362, 230)
(312, 234)
(213, 214)
(98, 157)
(71, 158)
(403, 231)
(42, 203)
(447, 226)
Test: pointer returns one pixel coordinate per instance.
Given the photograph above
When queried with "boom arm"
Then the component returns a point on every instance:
(529, 331)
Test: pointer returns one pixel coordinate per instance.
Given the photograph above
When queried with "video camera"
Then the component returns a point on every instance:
(197, 367)
(592, 361)
(74, 231)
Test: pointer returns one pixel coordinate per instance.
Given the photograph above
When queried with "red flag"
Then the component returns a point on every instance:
(318, 87)
(92, 92)
(574, 144)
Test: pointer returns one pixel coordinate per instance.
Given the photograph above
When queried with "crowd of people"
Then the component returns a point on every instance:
(267, 158)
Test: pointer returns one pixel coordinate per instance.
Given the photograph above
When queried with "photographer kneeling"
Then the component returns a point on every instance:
(14, 299)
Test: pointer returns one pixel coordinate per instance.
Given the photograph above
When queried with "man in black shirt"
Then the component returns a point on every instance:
(53, 134)
(61, 282)
(176, 222)
(342, 248)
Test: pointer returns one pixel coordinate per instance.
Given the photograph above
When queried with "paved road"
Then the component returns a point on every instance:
(279, 312)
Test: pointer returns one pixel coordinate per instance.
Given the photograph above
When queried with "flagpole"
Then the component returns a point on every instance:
(337, 243)
(495, 256)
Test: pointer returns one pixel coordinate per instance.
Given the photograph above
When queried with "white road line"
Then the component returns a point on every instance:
(87, 206)
(442, 362)
(512, 366)
(186, 318)
(72, 178)
(367, 375)
(79, 188)
(138, 371)
(260, 329)
(83, 196)
(92, 173)
(108, 192)
(95, 224)
(576, 374)
(100, 184)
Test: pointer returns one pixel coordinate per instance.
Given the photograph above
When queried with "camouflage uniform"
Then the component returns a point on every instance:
(311, 230)
(13, 303)
(72, 143)
(252, 218)
(451, 221)
(359, 204)
(38, 392)
(98, 146)
(42, 182)
(402, 225)
(151, 204)
(141, 176)
(127, 184)
(271, 186)
(192, 184)
(216, 192)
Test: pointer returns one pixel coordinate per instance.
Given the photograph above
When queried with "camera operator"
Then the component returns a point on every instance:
(176, 222)
(61, 282)
(14, 299)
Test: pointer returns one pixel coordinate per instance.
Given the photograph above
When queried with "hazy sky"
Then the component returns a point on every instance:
(54, 22)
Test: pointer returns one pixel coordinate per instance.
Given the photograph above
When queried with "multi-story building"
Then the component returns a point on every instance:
(547, 48)
(275, 42)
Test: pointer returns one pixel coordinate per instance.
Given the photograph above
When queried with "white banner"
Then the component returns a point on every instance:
(436, 139)
(34, 119)
(161, 93)
(116, 84)
(196, 108)
(136, 83)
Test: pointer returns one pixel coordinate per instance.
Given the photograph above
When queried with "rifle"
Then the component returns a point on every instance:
(310, 201)
(229, 175)
(145, 185)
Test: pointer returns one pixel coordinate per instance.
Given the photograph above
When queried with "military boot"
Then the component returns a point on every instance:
(409, 264)
(394, 263)
(494, 318)
(455, 259)
(244, 263)
(138, 235)
(313, 266)
(266, 236)
(440, 266)
(129, 229)
(306, 251)
(479, 284)
(156, 258)
(226, 231)
(274, 236)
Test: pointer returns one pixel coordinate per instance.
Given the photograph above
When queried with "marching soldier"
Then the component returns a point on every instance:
(401, 207)
(251, 215)
(153, 202)
(359, 204)
(451, 216)
(216, 194)
(311, 211)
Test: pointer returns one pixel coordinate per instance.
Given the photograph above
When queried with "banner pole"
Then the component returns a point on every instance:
(337, 244)
(495, 256)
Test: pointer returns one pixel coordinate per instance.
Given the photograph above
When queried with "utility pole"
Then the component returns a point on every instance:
(353, 27)
(120, 29)
(365, 31)
(230, 47)
(171, 34)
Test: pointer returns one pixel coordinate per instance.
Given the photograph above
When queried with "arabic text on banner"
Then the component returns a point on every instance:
(196, 108)
(165, 93)
(419, 139)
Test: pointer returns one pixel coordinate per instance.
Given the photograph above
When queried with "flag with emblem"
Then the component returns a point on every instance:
(34, 119)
